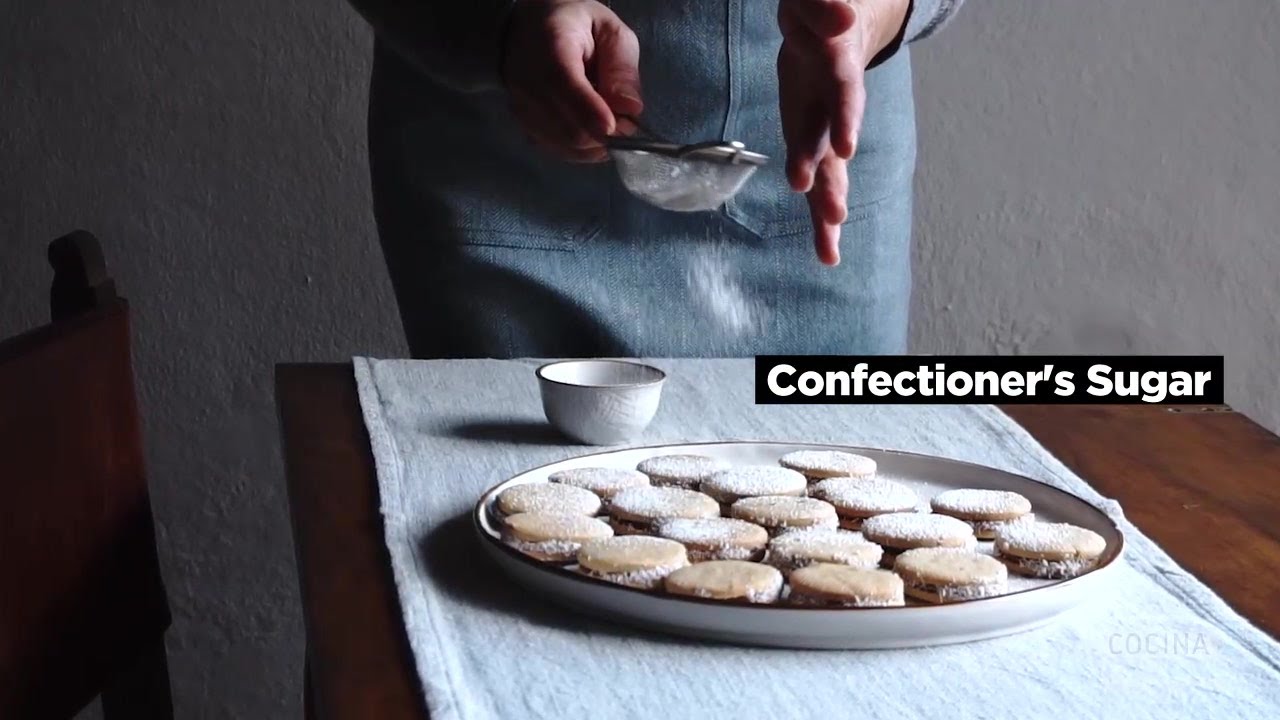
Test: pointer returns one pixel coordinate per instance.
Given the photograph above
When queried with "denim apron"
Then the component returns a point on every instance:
(497, 250)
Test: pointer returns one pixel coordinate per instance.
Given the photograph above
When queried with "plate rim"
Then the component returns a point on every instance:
(481, 508)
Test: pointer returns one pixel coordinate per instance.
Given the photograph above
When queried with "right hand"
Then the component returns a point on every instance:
(571, 68)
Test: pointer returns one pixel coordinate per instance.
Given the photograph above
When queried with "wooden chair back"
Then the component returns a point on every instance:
(83, 609)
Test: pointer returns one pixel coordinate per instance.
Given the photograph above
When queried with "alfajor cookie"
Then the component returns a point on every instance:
(635, 561)
(801, 548)
(727, 580)
(551, 537)
(821, 464)
(857, 499)
(732, 484)
(1053, 551)
(946, 575)
(715, 538)
(896, 532)
(826, 585)
(548, 498)
(987, 511)
(633, 511)
(684, 471)
(605, 482)
(779, 514)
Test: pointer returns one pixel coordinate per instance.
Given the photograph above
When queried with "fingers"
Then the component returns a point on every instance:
(849, 99)
(805, 123)
(828, 207)
(820, 18)
(617, 65)
(831, 189)
(804, 130)
(546, 127)
(555, 51)
(576, 99)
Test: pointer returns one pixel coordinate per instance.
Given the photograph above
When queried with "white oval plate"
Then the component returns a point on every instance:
(1029, 603)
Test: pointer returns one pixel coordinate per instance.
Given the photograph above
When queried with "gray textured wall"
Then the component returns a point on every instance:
(1102, 176)
(217, 150)
(1095, 176)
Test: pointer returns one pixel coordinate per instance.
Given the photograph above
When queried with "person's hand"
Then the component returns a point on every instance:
(826, 46)
(570, 68)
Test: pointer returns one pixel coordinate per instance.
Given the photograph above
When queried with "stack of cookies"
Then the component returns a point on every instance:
(819, 528)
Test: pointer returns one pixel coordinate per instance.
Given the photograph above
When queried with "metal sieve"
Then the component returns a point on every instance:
(682, 178)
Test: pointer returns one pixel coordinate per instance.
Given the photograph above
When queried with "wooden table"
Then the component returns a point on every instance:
(1202, 482)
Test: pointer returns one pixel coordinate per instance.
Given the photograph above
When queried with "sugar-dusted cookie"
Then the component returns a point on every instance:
(633, 510)
(727, 580)
(844, 586)
(945, 575)
(732, 484)
(1049, 550)
(685, 471)
(779, 514)
(605, 482)
(636, 561)
(715, 538)
(548, 498)
(896, 532)
(821, 464)
(857, 499)
(987, 511)
(801, 548)
(552, 537)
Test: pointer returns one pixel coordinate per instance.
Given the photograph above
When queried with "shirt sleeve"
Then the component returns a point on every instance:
(456, 42)
(928, 16)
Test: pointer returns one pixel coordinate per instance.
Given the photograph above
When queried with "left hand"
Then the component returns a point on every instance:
(826, 46)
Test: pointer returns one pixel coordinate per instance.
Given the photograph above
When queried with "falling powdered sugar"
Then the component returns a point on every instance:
(716, 286)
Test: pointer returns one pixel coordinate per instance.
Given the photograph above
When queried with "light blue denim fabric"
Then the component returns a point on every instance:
(497, 250)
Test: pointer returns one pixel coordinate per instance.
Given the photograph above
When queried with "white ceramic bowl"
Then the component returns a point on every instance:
(600, 402)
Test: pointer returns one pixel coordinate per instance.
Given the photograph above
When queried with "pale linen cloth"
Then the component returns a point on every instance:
(1157, 644)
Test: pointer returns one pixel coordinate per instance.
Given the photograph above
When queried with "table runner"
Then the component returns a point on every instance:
(1157, 643)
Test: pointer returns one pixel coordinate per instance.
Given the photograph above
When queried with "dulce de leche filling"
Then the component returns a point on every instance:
(799, 598)
(1047, 569)
(647, 578)
(952, 593)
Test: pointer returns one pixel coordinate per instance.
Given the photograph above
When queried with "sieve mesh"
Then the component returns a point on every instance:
(680, 184)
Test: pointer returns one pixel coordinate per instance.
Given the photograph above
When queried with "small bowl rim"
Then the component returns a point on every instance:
(541, 373)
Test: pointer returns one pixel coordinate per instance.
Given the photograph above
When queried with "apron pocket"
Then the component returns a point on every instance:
(514, 196)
